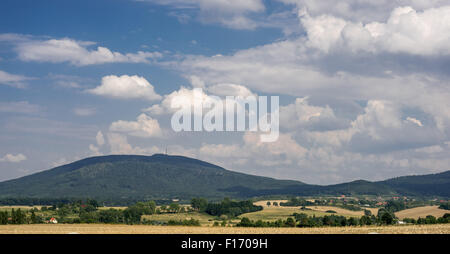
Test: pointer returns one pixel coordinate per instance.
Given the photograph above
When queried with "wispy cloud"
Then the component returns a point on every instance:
(14, 80)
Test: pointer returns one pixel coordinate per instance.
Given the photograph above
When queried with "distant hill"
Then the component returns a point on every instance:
(132, 176)
(122, 177)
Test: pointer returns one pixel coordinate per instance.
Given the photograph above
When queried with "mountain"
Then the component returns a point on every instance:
(132, 177)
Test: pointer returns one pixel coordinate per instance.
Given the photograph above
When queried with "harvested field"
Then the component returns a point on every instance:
(22, 207)
(143, 229)
(423, 211)
(271, 213)
(204, 219)
(342, 211)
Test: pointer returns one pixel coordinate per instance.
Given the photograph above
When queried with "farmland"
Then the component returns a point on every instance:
(272, 213)
(227, 217)
(423, 211)
(144, 229)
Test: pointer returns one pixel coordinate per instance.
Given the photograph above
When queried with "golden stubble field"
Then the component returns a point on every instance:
(271, 213)
(143, 229)
(423, 211)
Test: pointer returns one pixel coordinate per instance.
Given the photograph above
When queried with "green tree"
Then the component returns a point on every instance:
(245, 222)
(199, 204)
(387, 218)
(4, 217)
(290, 222)
(18, 217)
(174, 208)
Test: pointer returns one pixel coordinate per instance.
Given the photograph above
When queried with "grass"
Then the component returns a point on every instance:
(423, 211)
(143, 229)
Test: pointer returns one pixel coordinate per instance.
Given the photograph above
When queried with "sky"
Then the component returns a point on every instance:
(363, 85)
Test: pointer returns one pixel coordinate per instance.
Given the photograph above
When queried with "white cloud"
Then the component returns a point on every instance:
(183, 96)
(125, 87)
(378, 115)
(230, 90)
(232, 14)
(361, 10)
(100, 138)
(144, 127)
(302, 115)
(119, 145)
(13, 158)
(76, 53)
(13, 79)
(95, 149)
(414, 120)
(405, 31)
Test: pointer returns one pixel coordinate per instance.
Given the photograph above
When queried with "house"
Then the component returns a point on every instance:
(53, 220)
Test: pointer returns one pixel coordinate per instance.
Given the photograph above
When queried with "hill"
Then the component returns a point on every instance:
(136, 177)
(133, 177)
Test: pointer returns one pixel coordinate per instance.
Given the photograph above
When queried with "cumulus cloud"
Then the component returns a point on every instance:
(118, 144)
(13, 80)
(125, 87)
(144, 127)
(100, 138)
(301, 114)
(13, 158)
(405, 31)
(95, 149)
(361, 10)
(76, 53)
(184, 96)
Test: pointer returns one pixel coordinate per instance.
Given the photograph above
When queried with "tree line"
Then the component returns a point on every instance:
(226, 207)
(384, 217)
(87, 211)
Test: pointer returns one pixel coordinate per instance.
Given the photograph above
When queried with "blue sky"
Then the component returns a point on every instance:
(364, 88)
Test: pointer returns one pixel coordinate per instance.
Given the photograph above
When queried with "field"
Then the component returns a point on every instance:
(142, 229)
(269, 213)
(22, 207)
(342, 211)
(421, 212)
(275, 213)
(204, 219)
(272, 213)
